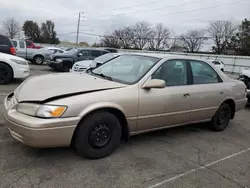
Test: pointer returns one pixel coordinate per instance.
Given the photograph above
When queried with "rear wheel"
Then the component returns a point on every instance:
(6, 74)
(221, 118)
(98, 135)
(38, 59)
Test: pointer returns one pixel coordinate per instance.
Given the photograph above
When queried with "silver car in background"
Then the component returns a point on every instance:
(82, 66)
(36, 56)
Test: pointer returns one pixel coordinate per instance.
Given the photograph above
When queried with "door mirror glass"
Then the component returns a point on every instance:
(154, 83)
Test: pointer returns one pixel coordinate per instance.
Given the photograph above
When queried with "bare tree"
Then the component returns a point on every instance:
(11, 28)
(193, 40)
(110, 41)
(221, 32)
(142, 33)
(126, 37)
(159, 37)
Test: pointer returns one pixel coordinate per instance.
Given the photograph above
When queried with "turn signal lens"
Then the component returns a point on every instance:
(58, 111)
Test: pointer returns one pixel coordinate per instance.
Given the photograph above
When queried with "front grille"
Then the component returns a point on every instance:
(79, 69)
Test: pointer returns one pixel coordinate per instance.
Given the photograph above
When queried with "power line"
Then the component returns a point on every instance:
(126, 7)
(194, 10)
(165, 7)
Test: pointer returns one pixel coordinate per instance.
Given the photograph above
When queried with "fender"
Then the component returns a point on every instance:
(100, 105)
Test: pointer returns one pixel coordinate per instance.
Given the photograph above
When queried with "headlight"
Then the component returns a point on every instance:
(59, 60)
(20, 62)
(44, 111)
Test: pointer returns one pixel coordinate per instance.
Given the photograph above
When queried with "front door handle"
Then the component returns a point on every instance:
(186, 95)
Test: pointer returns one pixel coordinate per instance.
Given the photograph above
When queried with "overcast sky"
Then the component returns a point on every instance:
(104, 16)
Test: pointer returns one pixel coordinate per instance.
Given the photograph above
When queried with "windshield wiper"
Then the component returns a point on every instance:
(102, 75)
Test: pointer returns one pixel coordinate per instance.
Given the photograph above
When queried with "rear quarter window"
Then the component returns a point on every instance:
(5, 41)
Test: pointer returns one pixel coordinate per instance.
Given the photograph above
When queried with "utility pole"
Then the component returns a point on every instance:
(78, 25)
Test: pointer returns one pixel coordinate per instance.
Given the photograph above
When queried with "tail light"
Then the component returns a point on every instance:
(12, 51)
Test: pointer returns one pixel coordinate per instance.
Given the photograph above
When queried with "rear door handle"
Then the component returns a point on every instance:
(186, 95)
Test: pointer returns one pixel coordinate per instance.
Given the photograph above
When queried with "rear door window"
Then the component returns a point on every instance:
(21, 44)
(95, 53)
(203, 73)
(105, 52)
(4, 41)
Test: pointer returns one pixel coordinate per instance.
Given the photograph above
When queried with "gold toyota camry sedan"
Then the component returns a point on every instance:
(128, 95)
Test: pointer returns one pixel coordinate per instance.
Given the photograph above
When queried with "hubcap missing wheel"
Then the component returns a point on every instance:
(99, 136)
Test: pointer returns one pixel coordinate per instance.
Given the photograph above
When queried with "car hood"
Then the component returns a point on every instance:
(8, 56)
(245, 72)
(46, 87)
(85, 63)
(63, 55)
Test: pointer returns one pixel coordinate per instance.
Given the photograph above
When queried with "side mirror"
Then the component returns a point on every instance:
(80, 54)
(154, 83)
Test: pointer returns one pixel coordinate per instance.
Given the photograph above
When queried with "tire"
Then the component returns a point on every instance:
(65, 67)
(38, 59)
(221, 118)
(6, 74)
(98, 135)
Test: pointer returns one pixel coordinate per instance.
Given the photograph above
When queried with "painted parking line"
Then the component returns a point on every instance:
(196, 169)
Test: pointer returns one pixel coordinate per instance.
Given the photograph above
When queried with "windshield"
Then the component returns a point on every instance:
(105, 57)
(127, 69)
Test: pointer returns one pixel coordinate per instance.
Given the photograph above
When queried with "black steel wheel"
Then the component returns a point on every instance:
(221, 118)
(98, 135)
(6, 74)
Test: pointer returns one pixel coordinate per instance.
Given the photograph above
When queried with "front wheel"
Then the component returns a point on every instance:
(98, 135)
(221, 118)
(6, 74)
(65, 67)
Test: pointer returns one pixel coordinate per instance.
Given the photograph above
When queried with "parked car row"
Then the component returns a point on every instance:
(64, 62)
(37, 56)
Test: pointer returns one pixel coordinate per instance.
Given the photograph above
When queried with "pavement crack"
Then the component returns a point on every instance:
(23, 167)
(224, 176)
(199, 156)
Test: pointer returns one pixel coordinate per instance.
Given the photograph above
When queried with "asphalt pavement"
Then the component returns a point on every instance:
(189, 156)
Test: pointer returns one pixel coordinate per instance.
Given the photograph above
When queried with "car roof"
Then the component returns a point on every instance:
(164, 56)
(53, 48)
(92, 49)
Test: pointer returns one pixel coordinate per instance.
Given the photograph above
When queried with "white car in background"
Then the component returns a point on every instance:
(55, 49)
(82, 66)
(12, 67)
(218, 64)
